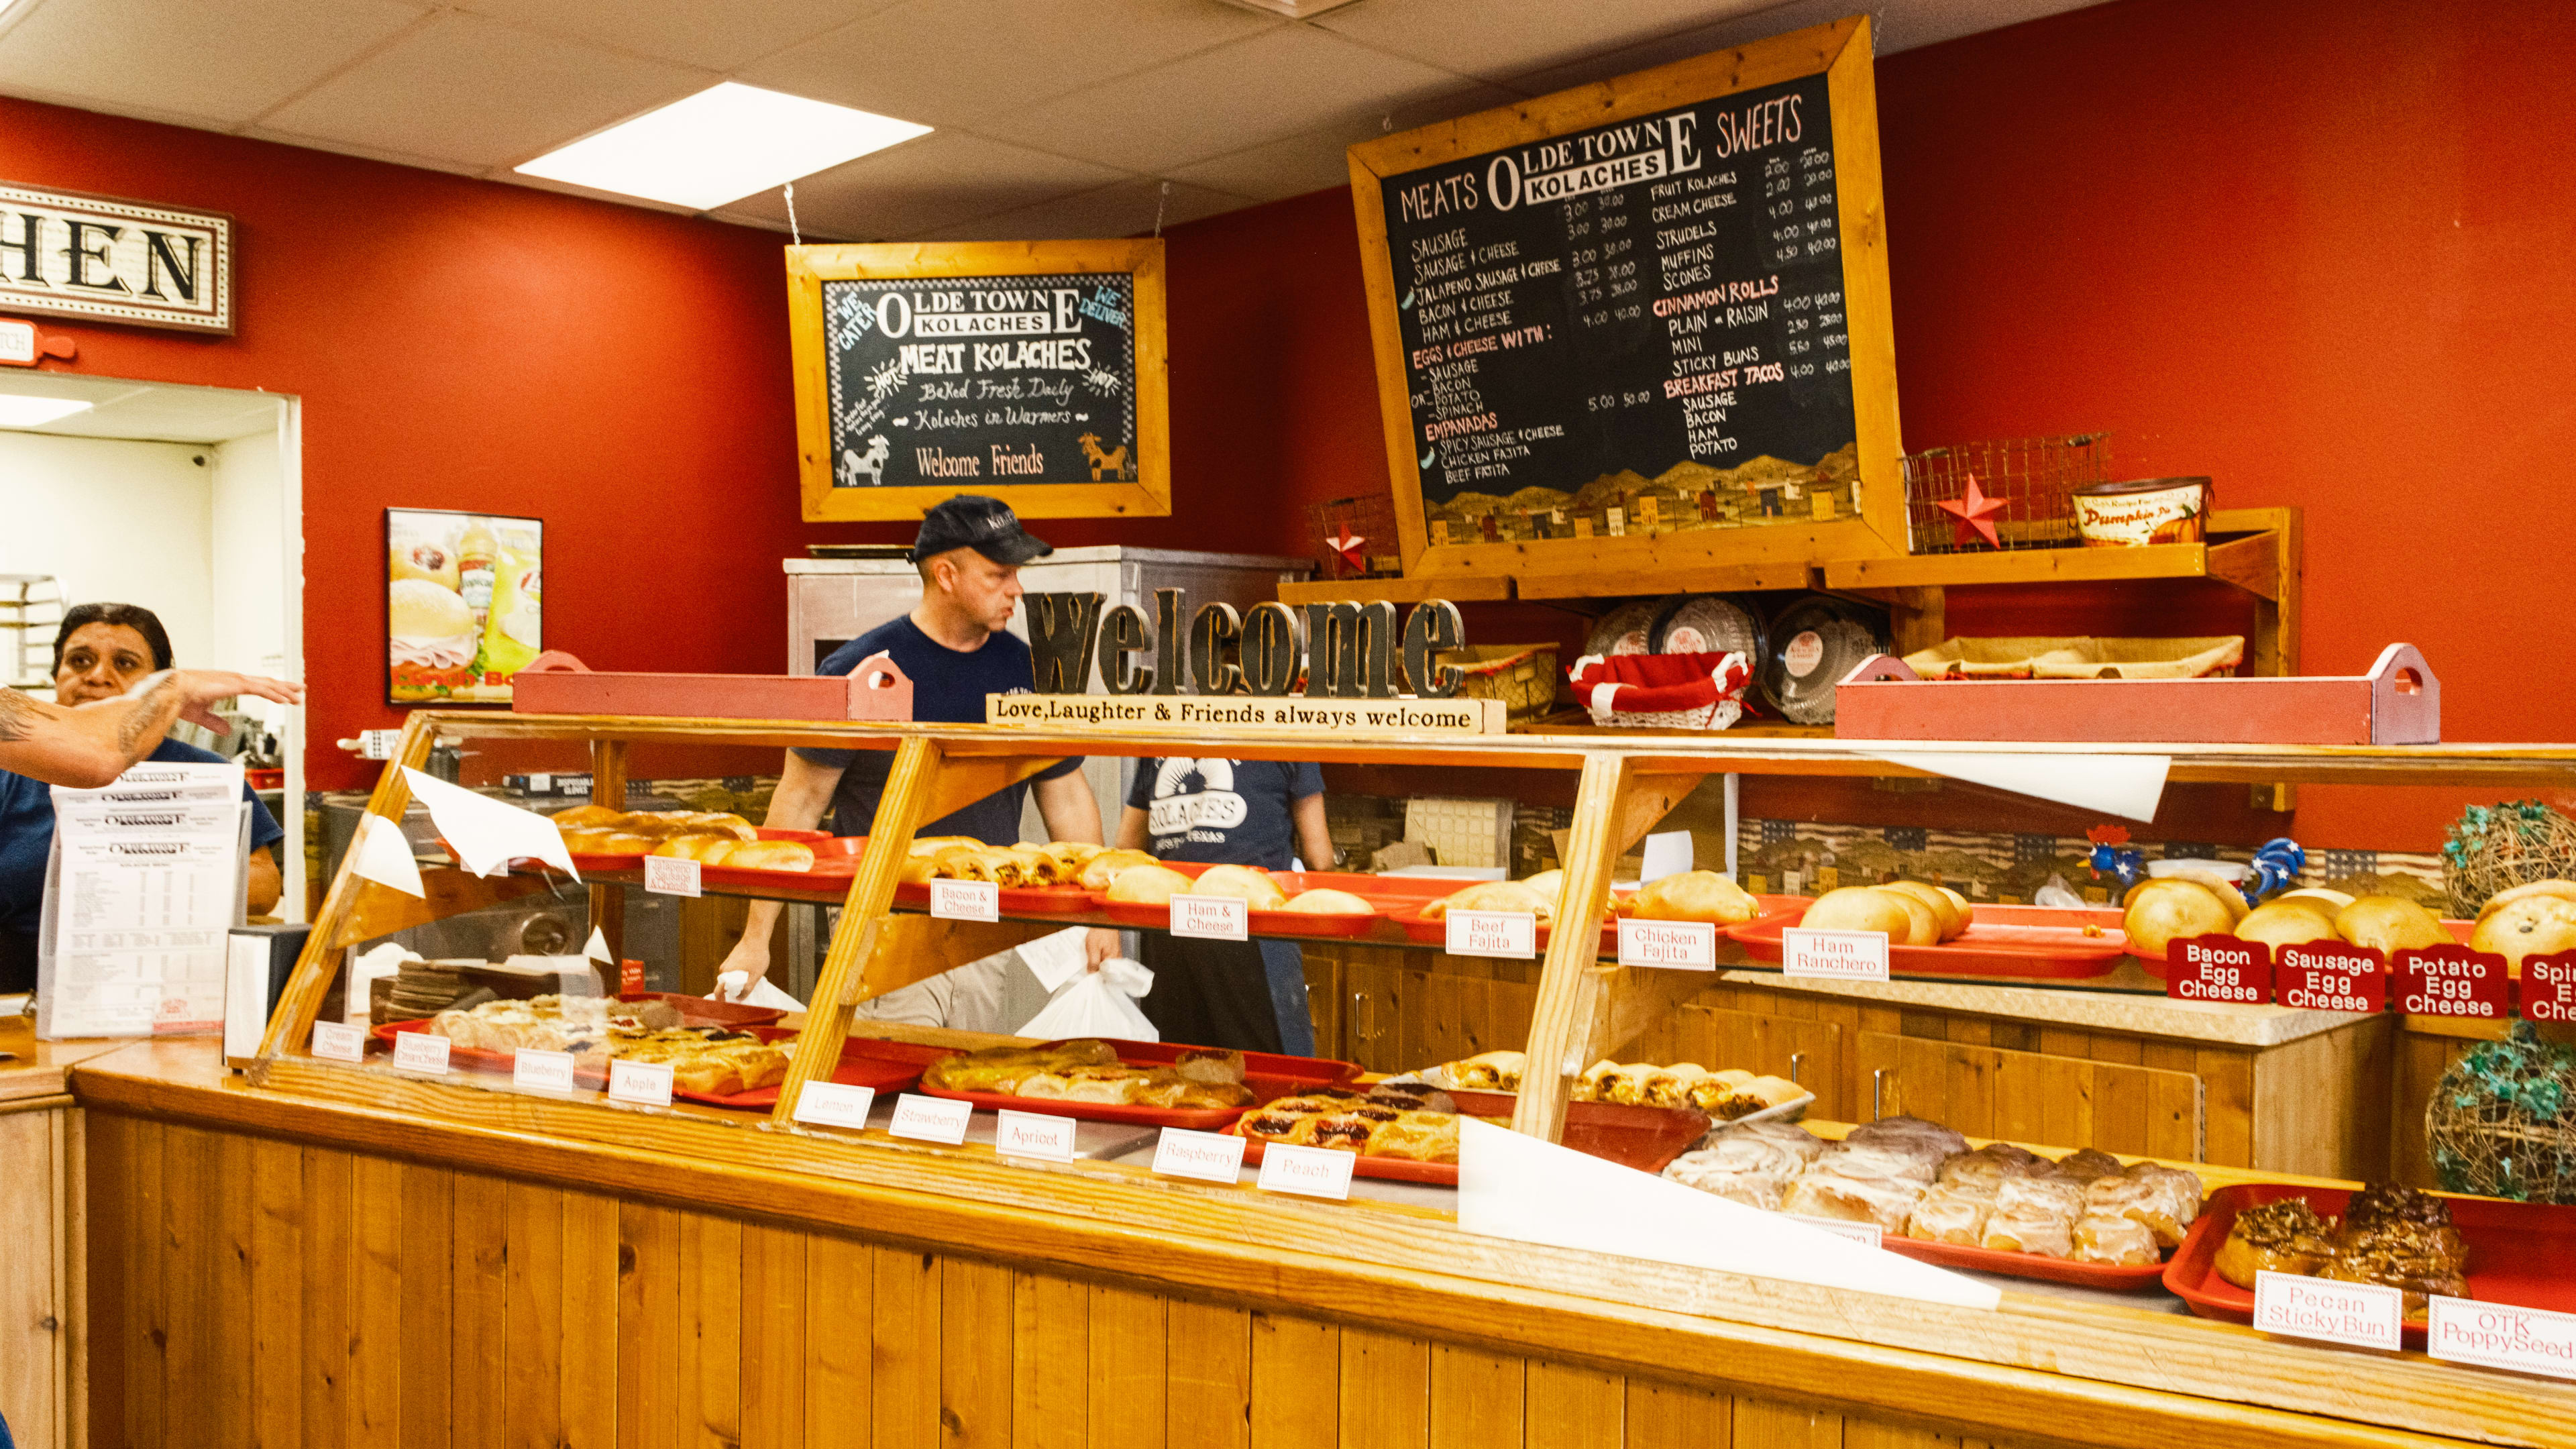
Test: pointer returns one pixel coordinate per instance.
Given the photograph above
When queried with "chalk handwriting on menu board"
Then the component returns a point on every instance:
(1031, 371)
(968, 380)
(1647, 316)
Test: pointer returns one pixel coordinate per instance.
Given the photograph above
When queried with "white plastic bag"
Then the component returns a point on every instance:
(2057, 894)
(1097, 1003)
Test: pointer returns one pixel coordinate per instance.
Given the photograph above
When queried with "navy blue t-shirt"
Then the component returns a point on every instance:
(947, 688)
(1224, 812)
(27, 836)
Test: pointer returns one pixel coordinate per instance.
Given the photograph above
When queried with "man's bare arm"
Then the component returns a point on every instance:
(1068, 807)
(90, 746)
(804, 792)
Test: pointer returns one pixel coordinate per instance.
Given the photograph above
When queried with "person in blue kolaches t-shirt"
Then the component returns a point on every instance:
(1248, 995)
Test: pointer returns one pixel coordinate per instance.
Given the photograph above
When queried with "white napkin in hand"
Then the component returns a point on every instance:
(730, 987)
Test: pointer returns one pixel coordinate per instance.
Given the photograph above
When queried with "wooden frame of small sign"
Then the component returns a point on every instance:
(1841, 54)
(913, 401)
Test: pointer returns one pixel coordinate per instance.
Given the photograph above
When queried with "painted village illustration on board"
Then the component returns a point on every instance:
(1765, 490)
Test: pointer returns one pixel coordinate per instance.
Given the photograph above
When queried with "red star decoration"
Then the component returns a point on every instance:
(1347, 544)
(1972, 511)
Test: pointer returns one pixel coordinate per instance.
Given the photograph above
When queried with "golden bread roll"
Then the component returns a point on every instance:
(1953, 921)
(624, 842)
(1071, 855)
(719, 822)
(1493, 895)
(586, 842)
(1772, 1091)
(587, 817)
(1105, 867)
(2389, 924)
(2336, 899)
(1148, 885)
(1694, 895)
(958, 862)
(2167, 910)
(1959, 903)
(788, 855)
(2225, 891)
(2562, 888)
(1862, 908)
(705, 849)
(1248, 883)
(1322, 902)
(1924, 928)
(2527, 921)
(2288, 923)
(1025, 865)
(933, 844)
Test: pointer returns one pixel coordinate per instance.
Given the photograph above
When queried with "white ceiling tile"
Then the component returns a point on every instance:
(477, 92)
(1126, 209)
(1316, 160)
(949, 62)
(1290, 80)
(944, 177)
(219, 62)
(1500, 39)
(690, 32)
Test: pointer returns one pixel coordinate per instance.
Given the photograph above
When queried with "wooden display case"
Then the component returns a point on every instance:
(1216, 1312)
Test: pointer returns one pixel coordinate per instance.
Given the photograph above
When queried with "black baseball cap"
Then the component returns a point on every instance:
(986, 525)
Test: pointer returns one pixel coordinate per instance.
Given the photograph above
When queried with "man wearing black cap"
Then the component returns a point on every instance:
(957, 647)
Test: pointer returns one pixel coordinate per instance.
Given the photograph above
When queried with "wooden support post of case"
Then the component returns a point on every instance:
(292, 1020)
(1561, 1022)
(608, 902)
(904, 804)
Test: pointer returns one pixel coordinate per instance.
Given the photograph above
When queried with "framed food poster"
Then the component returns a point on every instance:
(1030, 371)
(464, 604)
(1642, 323)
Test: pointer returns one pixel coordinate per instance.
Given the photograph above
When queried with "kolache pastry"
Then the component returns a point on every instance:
(1917, 1179)
(1911, 913)
(2538, 919)
(1494, 895)
(1497, 1071)
(709, 1061)
(1147, 885)
(1693, 895)
(1250, 884)
(1407, 1121)
(2393, 1236)
(1089, 1071)
(1727, 1094)
(598, 830)
(1324, 901)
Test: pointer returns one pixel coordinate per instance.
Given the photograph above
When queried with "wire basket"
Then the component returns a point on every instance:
(2497, 847)
(2033, 478)
(1371, 519)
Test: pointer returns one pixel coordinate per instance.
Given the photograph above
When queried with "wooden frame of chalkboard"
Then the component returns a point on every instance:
(1002, 372)
(1549, 413)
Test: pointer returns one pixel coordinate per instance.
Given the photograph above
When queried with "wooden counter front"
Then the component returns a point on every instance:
(345, 1257)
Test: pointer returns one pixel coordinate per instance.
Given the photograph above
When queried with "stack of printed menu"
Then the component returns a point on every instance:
(144, 883)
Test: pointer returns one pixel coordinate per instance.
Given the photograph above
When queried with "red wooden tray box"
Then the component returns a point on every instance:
(2398, 702)
(557, 683)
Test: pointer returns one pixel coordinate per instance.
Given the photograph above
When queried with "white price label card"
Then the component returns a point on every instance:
(2532, 1340)
(1834, 955)
(1513, 934)
(541, 1071)
(338, 1041)
(2364, 1315)
(930, 1119)
(1033, 1134)
(966, 900)
(668, 875)
(833, 1104)
(640, 1084)
(1673, 945)
(421, 1051)
(1212, 918)
(1206, 1156)
(1310, 1171)
(1868, 1235)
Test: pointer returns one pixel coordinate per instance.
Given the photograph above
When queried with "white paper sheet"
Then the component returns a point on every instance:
(142, 891)
(1667, 853)
(2124, 785)
(487, 834)
(1512, 1186)
(1057, 959)
(384, 856)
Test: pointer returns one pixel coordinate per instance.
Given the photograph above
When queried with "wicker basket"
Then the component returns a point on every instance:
(1522, 676)
(1666, 691)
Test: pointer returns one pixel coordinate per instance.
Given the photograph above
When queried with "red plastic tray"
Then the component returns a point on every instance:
(833, 856)
(1267, 1074)
(694, 1011)
(1436, 933)
(888, 1066)
(1645, 1138)
(2523, 1254)
(2155, 965)
(1258, 923)
(2027, 1265)
(2040, 942)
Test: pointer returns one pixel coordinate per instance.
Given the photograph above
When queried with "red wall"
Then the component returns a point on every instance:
(2315, 249)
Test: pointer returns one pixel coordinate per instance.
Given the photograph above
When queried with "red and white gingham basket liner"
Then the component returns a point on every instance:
(1662, 691)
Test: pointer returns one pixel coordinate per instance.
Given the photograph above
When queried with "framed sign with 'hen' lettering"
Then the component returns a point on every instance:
(1643, 323)
(1030, 371)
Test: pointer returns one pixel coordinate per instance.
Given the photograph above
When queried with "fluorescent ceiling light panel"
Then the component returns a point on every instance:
(719, 145)
(19, 411)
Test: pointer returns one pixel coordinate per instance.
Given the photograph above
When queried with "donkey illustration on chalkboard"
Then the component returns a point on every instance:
(872, 463)
(1112, 464)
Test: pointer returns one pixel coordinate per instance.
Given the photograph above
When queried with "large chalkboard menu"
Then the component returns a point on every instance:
(1029, 371)
(1639, 319)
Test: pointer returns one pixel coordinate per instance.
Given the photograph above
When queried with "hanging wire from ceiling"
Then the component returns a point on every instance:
(793, 234)
(1158, 207)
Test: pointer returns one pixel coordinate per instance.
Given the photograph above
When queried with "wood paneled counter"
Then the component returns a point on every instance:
(345, 1257)
(40, 1147)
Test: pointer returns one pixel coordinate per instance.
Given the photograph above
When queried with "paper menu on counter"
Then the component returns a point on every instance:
(141, 893)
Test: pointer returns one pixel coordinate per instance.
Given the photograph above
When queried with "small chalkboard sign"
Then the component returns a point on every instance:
(1641, 322)
(1030, 371)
